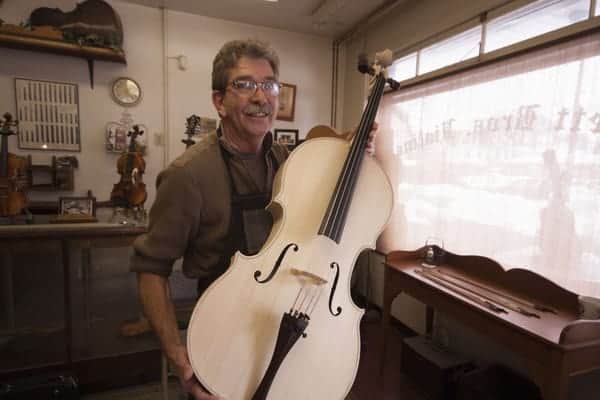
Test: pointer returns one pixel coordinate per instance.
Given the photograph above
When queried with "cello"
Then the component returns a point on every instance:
(130, 191)
(281, 324)
(12, 173)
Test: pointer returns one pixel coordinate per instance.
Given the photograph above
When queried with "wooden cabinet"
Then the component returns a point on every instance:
(65, 291)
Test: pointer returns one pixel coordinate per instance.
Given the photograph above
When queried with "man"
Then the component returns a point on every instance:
(210, 201)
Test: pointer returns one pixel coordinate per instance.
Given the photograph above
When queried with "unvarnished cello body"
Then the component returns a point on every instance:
(234, 326)
(302, 274)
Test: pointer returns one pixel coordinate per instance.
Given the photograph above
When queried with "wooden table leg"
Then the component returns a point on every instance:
(86, 271)
(429, 315)
(66, 261)
(389, 294)
(551, 377)
(557, 378)
(8, 292)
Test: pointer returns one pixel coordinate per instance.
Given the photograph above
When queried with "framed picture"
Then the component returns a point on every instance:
(78, 207)
(48, 115)
(287, 137)
(117, 141)
(287, 102)
(116, 137)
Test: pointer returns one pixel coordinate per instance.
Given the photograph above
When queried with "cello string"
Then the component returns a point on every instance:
(356, 156)
(309, 298)
(296, 300)
(355, 165)
(352, 166)
(341, 188)
(314, 291)
(319, 293)
(299, 308)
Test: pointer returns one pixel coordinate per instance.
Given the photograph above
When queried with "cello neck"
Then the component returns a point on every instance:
(332, 224)
(132, 148)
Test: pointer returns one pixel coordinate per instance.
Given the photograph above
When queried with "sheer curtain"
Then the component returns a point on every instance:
(503, 161)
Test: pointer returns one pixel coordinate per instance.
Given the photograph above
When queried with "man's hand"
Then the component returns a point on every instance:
(186, 376)
(325, 131)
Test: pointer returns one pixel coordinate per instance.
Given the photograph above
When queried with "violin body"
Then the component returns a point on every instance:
(14, 200)
(90, 21)
(130, 190)
(13, 175)
(127, 194)
(235, 324)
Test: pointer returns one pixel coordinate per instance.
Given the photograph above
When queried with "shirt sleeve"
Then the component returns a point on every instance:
(173, 219)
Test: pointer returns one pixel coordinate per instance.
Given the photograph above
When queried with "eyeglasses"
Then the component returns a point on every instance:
(248, 87)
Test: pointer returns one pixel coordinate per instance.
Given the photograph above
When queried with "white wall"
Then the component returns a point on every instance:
(97, 168)
(305, 62)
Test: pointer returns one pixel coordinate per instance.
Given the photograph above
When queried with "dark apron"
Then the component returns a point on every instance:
(249, 225)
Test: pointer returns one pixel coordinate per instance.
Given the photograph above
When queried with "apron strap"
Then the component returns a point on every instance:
(249, 223)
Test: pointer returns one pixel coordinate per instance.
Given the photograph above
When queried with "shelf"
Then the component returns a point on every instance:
(90, 53)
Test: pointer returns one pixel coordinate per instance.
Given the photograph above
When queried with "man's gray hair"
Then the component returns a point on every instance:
(229, 55)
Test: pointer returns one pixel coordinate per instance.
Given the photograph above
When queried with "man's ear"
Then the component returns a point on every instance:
(217, 98)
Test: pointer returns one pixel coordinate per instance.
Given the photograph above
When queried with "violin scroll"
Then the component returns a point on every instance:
(192, 126)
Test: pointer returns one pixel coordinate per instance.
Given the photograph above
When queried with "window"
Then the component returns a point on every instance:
(534, 19)
(503, 161)
(450, 51)
(404, 68)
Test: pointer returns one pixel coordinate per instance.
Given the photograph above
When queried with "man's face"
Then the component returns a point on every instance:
(249, 113)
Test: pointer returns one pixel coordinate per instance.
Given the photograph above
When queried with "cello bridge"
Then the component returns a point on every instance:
(308, 277)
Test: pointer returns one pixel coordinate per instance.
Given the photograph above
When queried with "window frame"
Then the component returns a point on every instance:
(577, 29)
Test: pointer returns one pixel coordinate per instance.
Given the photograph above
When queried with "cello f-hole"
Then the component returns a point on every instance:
(276, 266)
(338, 310)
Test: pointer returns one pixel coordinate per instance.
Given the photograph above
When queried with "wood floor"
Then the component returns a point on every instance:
(367, 386)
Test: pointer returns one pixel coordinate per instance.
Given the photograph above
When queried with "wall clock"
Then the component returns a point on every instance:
(126, 92)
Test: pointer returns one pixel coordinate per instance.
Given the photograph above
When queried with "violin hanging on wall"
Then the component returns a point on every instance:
(192, 126)
(130, 191)
(13, 173)
(281, 324)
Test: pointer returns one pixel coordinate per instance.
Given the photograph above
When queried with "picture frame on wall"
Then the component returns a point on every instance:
(48, 114)
(286, 137)
(117, 138)
(287, 102)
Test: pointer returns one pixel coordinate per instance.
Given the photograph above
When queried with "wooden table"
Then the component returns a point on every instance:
(554, 346)
(69, 236)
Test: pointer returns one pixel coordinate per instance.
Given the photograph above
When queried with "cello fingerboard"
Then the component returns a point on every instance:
(48, 115)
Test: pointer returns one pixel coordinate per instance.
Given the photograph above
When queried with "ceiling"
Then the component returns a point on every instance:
(330, 18)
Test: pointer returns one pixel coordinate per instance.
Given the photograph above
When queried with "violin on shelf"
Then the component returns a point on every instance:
(130, 191)
(192, 126)
(13, 173)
